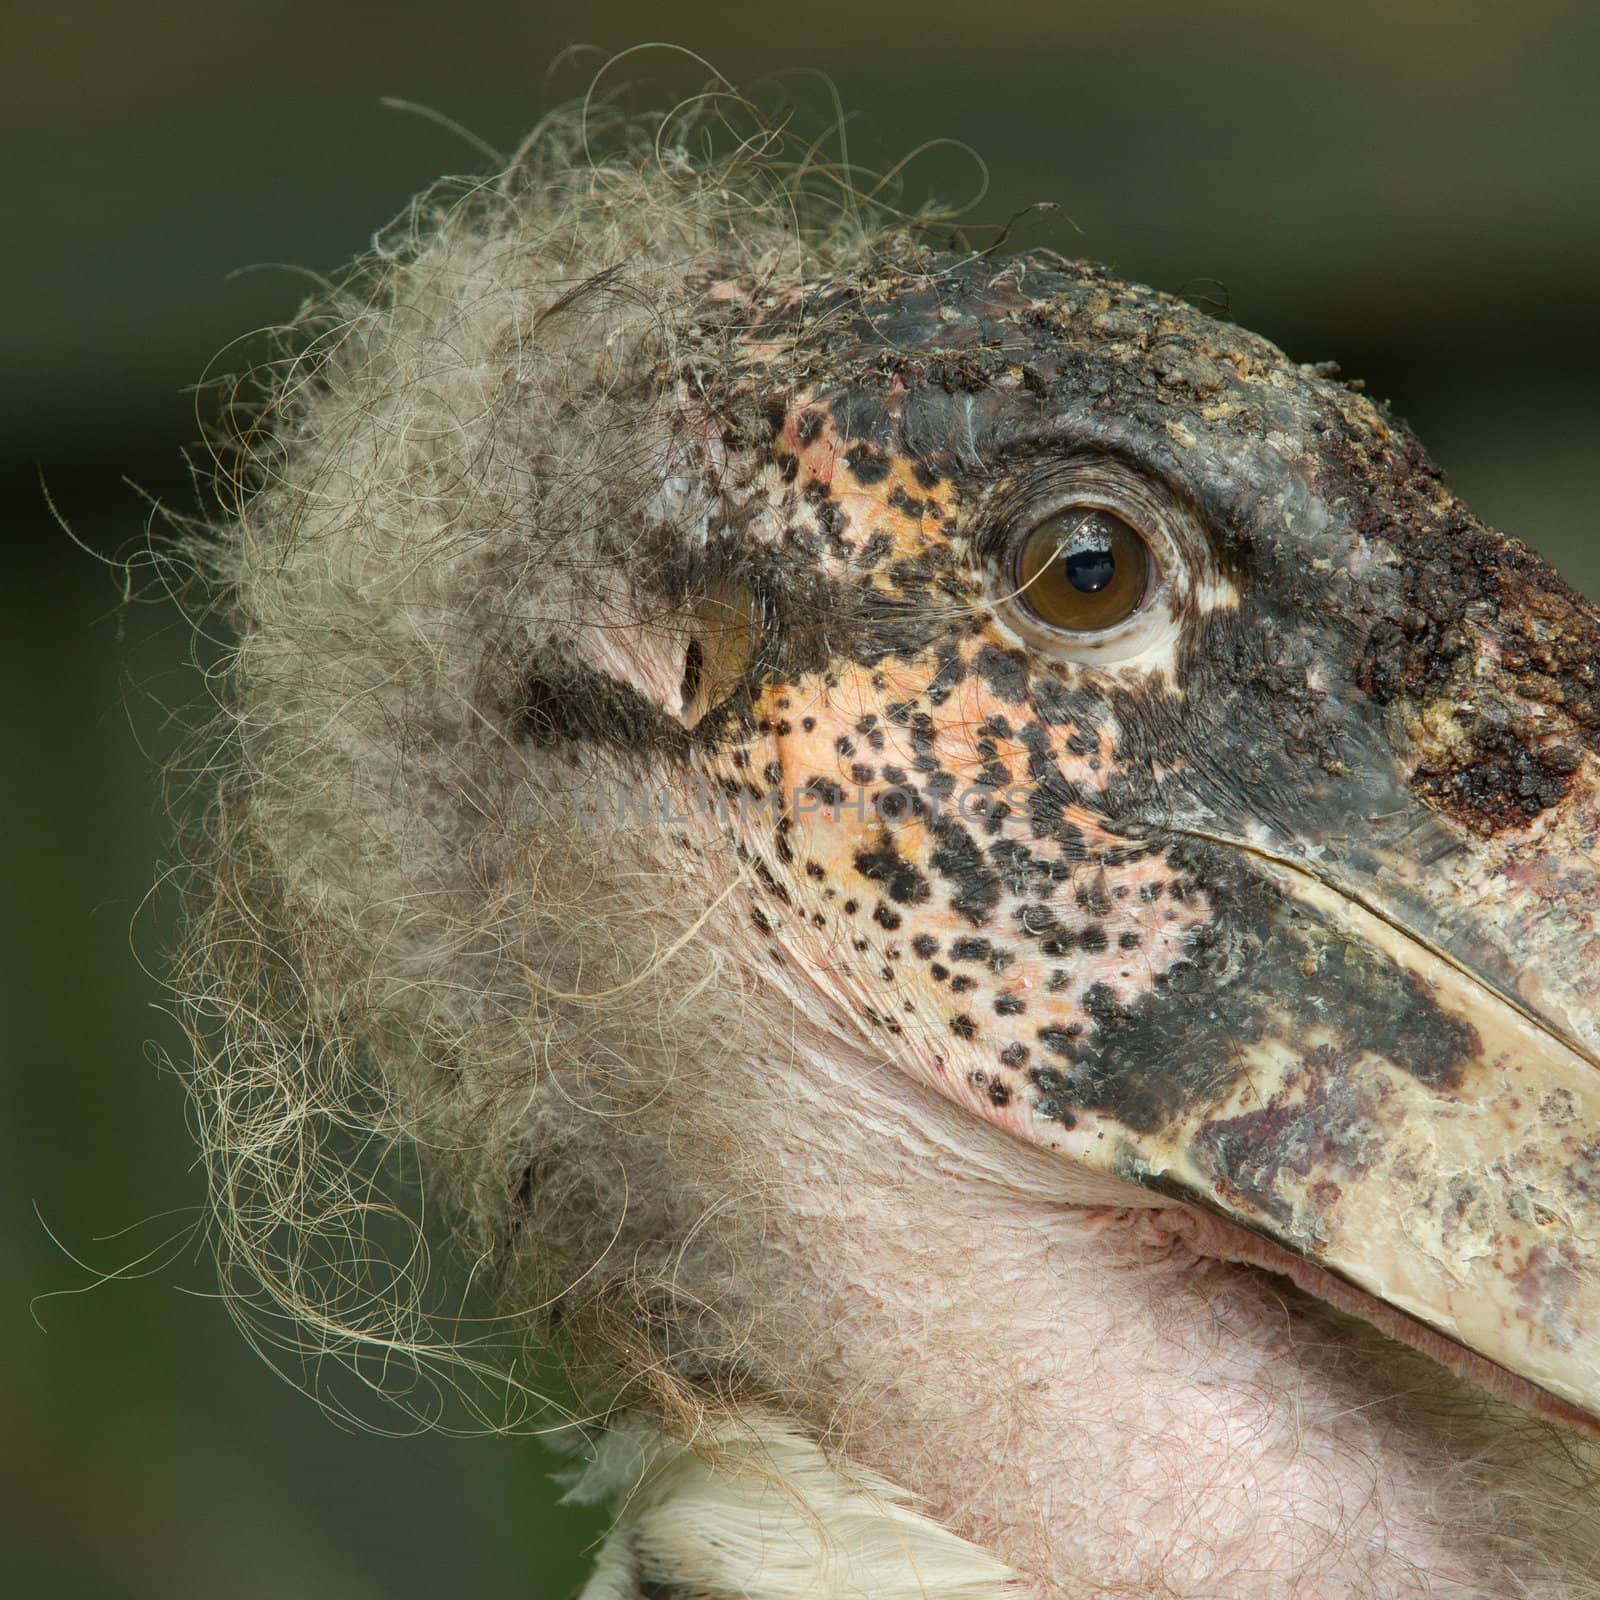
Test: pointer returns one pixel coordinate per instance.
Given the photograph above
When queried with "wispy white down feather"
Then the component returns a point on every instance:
(767, 1512)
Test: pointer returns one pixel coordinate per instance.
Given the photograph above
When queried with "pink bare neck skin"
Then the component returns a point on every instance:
(1071, 1384)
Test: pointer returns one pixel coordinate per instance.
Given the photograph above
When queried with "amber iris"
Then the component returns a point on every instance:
(1083, 569)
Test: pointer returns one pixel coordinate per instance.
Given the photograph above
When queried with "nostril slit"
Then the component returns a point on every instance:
(693, 673)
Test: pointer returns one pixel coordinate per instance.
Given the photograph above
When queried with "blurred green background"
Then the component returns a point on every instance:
(1409, 187)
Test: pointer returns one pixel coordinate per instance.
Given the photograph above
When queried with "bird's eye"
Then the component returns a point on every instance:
(1091, 561)
(1083, 569)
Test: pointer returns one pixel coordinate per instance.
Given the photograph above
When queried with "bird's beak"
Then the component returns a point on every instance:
(1432, 1166)
(1397, 1095)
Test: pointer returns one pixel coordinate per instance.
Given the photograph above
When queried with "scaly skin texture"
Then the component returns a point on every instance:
(1290, 917)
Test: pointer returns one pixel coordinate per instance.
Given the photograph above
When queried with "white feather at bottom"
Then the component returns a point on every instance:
(763, 1514)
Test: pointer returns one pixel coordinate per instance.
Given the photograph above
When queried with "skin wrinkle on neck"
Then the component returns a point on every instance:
(1064, 1381)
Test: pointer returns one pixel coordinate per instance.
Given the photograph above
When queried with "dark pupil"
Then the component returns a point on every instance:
(1089, 571)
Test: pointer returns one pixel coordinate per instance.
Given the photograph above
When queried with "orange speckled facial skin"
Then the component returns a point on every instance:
(906, 795)
(1238, 911)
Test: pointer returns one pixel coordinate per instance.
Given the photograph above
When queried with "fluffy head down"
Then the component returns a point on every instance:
(410, 939)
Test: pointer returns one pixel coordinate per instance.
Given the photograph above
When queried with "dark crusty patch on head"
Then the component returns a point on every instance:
(1517, 721)
(1498, 779)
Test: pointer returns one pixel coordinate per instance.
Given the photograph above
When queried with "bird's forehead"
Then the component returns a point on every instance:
(978, 361)
(976, 319)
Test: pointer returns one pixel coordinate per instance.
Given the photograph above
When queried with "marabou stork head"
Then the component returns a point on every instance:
(736, 723)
